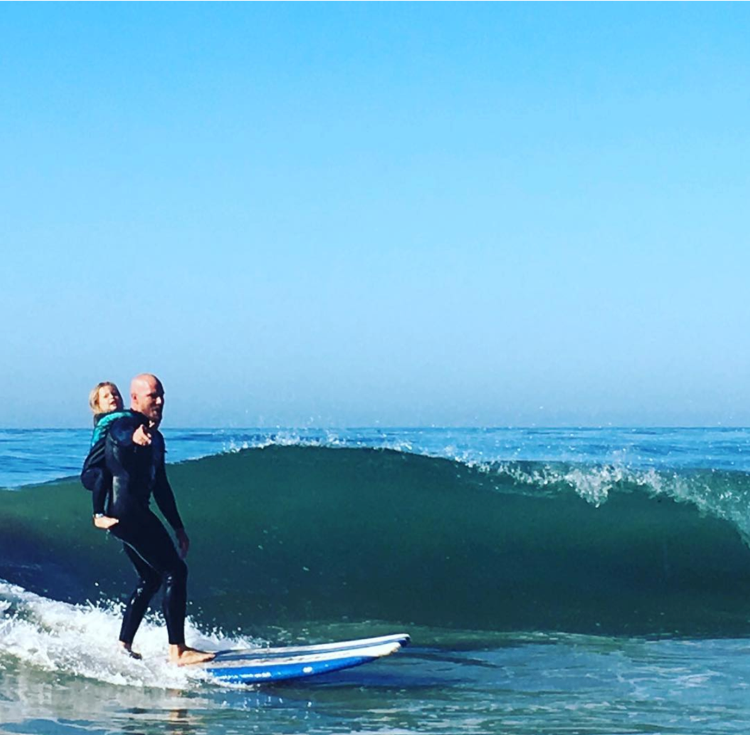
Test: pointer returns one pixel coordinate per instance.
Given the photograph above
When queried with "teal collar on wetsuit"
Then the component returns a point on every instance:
(103, 421)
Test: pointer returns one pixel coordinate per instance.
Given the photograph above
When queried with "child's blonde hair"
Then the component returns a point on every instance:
(94, 395)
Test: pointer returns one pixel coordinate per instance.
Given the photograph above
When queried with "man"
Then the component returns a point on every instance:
(135, 458)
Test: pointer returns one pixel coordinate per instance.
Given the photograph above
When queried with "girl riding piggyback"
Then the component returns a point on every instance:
(105, 401)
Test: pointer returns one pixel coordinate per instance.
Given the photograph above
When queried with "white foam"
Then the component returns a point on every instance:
(82, 640)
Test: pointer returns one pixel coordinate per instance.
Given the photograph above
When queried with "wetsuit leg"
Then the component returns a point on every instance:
(149, 581)
(159, 562)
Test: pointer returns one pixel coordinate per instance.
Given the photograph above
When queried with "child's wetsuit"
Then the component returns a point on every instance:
(94, 475)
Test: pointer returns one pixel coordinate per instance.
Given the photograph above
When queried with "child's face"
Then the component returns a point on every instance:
(109, 399)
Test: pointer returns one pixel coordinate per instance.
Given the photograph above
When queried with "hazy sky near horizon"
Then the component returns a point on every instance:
(377, 214)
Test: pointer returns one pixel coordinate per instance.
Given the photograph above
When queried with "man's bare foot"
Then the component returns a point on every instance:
(127, 649)
(184, 656)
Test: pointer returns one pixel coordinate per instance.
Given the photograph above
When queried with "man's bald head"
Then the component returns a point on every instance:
(147, 397)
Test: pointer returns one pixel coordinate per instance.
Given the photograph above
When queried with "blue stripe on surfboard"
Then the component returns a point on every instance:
(280, 672)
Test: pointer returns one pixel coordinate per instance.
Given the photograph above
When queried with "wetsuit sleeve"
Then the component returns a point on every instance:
(100, 482)
(121, 430)
(96, 478)
(165, 498)
(94, 460)
(161, 489)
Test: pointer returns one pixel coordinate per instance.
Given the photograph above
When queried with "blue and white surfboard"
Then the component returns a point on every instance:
(252, 666)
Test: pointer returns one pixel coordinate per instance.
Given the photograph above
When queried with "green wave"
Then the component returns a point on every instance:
(285, 535)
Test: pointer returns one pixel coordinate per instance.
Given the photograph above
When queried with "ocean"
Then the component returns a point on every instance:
(553, 581)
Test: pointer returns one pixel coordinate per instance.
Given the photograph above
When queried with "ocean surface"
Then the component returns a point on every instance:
(561, 581)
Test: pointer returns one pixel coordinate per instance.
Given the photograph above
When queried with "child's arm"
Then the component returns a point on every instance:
(96, 478)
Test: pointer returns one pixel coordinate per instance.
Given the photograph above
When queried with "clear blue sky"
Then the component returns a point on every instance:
(363, 214)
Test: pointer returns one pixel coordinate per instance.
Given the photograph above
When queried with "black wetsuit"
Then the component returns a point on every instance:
(137, 473)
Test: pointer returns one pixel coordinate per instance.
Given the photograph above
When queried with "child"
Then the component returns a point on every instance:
(106, 403)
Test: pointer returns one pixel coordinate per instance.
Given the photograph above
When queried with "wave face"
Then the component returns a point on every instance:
(288, 534)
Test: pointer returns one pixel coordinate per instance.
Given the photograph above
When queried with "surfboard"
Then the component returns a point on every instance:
(252, 666)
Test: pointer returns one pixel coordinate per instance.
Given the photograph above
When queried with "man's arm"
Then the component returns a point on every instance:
(124, 431)
(168, 506)
(165, 498)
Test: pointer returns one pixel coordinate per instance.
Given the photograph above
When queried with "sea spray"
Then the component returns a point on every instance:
(81, 639)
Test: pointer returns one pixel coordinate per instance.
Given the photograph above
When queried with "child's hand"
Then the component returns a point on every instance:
(142, 436)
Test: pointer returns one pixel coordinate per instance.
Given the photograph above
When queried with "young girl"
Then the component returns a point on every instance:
(105, 402)
(104, 398)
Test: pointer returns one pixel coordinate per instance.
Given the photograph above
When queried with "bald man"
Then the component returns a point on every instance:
(135, 457)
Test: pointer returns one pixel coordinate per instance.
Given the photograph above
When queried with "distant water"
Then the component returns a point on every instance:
(553, 581)
(29, 456)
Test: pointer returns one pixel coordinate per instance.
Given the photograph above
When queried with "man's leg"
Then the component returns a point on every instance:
(155, 549)
(149, 581)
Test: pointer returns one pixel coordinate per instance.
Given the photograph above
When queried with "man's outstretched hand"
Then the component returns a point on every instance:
(142, 436)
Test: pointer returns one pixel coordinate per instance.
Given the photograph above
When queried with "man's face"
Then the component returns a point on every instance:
(148, 398)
